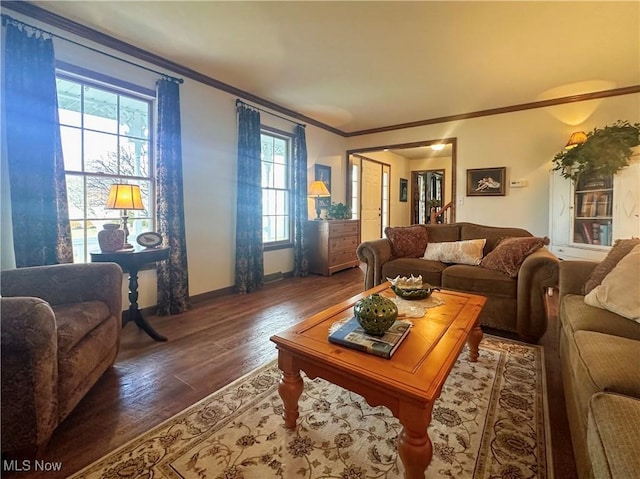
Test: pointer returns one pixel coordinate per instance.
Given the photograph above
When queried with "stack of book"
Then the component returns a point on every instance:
(351, 335)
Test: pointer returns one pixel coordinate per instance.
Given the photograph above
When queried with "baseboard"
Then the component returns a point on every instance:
(209, 295)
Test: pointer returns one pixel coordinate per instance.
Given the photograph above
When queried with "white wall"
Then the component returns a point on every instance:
(524, 141)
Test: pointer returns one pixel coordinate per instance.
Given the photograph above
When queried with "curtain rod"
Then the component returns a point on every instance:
(240, 102)
(7, 18)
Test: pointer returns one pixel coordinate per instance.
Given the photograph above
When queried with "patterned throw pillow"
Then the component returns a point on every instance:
(620, 249)
(510, 253)
(407, 241)
(458, 252)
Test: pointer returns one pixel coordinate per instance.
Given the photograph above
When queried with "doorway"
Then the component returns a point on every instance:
(428, 189)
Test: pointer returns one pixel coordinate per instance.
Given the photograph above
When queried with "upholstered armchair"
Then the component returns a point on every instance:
(60, 329)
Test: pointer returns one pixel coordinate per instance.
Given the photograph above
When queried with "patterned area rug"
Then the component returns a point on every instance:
(489, 422)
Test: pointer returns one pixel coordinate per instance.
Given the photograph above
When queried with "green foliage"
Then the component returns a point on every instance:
(338, 211)
(606, 151)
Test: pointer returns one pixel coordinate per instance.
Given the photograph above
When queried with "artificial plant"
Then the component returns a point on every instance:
(606, 151)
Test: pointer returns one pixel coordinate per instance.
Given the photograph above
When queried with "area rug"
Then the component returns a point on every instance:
(489, 422)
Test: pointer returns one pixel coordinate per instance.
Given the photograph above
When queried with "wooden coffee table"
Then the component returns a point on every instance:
(408, 383)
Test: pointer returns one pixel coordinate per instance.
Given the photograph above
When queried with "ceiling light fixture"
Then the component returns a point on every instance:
(437, 146)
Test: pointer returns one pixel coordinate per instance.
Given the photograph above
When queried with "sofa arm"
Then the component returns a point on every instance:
(29, 373)
(538, 272)
(573, 276)
(67, 283)
(374, 254)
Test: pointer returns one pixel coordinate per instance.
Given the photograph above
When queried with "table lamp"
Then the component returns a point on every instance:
(318, 190)
(125, 197)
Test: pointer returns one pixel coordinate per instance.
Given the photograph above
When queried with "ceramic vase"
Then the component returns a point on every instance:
(111, 238)
(375, 314)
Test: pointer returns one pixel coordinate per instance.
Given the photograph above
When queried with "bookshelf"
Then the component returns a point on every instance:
(593, 218)
(587, 217)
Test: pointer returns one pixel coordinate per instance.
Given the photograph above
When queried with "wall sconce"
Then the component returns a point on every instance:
(318, 189)
(577, 138)
(125, 197)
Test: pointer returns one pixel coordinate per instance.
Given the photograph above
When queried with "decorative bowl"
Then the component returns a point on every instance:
(375, 314)
(415, 293)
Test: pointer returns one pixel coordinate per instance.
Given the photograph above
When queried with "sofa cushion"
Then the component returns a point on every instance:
(493, 234)
(620, 249)
(431, 271)
(76, 320)
(603, 363)
(575, 315)
(510, 253)
(443, 232)
(458, 252)
(475, 279)
(619, 291)
(407, 241)
(613, 436)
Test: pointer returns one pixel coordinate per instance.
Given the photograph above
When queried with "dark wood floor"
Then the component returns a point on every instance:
(211, 345)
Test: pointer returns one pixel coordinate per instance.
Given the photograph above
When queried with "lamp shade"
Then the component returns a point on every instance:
(577, 138)
(318, 189)
(124, 197)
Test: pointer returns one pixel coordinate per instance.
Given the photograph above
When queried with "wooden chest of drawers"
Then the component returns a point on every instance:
(332, 245)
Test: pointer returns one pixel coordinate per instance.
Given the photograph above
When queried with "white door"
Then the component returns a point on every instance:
(371, 212)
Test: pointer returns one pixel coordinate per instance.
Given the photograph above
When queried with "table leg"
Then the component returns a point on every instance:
(414, 445)
(289, 388)
(473, 341)
(134, 311)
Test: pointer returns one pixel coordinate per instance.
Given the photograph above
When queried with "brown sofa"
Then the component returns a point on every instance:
(600, 364)
(60, 332)
(513, 304)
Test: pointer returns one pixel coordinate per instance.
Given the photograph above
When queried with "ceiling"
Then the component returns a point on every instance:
(363, 65)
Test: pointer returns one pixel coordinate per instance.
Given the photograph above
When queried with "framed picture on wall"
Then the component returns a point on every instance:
(323, 173)
(404, 189)
(486, 181)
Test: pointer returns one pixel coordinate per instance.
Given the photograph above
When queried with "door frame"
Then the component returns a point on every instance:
(454, 174)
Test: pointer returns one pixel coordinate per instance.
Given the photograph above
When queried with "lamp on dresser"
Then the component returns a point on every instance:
(318, 190)
(125, 197)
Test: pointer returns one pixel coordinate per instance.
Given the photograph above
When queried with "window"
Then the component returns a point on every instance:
(276, 189)
(355, 189)
(106, 139)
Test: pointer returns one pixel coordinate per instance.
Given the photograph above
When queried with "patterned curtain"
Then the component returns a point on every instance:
(249, 249)
(39, 211)
(300, 208)
(173, 277)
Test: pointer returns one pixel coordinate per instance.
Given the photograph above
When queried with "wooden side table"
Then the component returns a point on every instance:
(132, 261)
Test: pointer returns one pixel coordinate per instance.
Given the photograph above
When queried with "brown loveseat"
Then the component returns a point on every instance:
(514, 304)
(60, 332)
(600, 364)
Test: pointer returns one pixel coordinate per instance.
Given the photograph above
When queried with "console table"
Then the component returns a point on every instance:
(132, 261)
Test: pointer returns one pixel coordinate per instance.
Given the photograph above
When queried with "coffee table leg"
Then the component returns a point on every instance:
(475, 336)
(414, 445)
(289, 388)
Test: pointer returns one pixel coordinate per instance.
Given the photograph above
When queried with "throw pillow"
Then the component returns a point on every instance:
(620, 249)
(407, 241)
(460, 252)
(619, 291)
(510, 253)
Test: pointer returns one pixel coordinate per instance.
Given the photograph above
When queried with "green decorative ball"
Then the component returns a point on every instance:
(375, 314)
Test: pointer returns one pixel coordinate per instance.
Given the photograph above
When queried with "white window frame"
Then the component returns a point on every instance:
(288, 139)
(137, 223)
